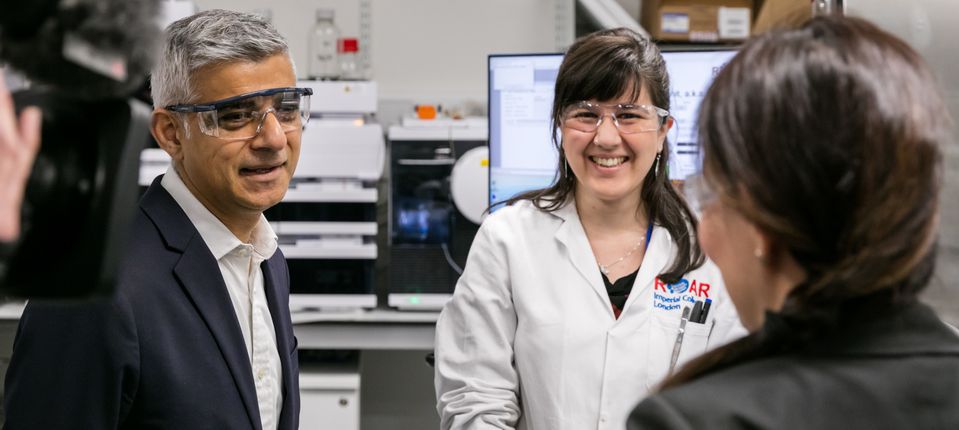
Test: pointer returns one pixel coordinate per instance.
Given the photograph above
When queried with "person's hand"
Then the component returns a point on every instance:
(19, 142)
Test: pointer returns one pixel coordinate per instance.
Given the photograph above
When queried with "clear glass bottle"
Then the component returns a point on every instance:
(324, 63)
(347, 50)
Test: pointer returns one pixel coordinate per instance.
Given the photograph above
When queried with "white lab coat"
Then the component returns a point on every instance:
(529, 339)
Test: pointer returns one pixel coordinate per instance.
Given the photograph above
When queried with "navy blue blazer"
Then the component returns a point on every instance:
(164, 352)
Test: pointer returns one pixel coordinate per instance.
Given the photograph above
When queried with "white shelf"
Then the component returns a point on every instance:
(307, 304)
(377, 329)
(365, 195)
(313, 228)
(364, 316)
(12, 310)
(363, 252)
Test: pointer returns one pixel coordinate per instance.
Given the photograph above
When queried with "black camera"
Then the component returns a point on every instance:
(85, 59)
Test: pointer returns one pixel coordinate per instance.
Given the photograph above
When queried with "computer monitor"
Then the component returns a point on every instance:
(690, 74)
(521, 152)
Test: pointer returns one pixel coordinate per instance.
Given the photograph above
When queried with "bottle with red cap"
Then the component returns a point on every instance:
(348, 52)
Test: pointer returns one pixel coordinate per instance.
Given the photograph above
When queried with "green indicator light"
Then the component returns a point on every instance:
(415, 300)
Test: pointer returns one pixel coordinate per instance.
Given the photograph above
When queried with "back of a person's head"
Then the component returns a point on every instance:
(827, 138)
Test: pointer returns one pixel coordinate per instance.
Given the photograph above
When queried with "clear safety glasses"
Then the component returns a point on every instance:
(699, 194)
(241, 117)
(586, 117)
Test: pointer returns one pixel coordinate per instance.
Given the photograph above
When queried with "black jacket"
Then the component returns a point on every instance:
(895, 369)
(165, 352)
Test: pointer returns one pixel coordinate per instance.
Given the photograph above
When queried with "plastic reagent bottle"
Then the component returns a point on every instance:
(348, 52)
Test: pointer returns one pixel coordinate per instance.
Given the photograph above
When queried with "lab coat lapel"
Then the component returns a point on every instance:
(572, 235)
(657, 256)
(198, 272)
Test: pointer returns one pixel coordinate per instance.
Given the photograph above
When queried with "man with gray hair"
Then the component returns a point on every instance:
(198, 333)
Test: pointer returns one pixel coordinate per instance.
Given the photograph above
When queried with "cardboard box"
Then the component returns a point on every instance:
(697, 20)
(776, 14)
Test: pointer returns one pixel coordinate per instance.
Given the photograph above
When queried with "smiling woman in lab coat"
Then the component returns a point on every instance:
(572, 299)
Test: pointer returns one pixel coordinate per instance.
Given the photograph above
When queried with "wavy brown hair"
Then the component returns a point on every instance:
(831, 133)
(604, 65)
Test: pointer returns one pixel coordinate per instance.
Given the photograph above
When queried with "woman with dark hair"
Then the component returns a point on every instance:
(573, 298)
(820, 200)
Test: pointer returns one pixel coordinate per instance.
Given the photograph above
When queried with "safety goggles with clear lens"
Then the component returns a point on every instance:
(628, 118)
(699, 194)
(241, 117)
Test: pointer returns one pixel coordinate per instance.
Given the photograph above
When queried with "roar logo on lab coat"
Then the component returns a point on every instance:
(695, 287)
(677, 288)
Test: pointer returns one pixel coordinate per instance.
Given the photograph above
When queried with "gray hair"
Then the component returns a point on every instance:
(209, 37)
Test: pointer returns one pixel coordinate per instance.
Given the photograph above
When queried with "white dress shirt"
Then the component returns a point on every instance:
(240, 265)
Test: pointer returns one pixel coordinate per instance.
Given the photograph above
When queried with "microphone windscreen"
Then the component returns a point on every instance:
(89, 49)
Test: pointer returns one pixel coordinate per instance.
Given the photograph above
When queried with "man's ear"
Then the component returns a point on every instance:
(167, 130)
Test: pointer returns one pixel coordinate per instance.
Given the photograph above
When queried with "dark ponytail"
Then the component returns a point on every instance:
(831, 133)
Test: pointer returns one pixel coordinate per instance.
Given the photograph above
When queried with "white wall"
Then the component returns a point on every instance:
(632, 7)
(422, 50)
(439, 47)
(930, 27)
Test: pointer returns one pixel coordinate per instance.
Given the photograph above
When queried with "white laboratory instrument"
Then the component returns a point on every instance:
(432, 216)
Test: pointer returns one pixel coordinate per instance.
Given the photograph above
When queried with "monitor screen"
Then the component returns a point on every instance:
(521, 152)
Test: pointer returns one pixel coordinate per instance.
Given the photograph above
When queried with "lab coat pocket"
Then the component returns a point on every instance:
(663, 335)
(725, 330)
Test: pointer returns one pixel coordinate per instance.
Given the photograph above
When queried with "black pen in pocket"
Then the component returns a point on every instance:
(697, 309)
(705, 311)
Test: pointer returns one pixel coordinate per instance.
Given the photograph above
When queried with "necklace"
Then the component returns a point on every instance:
(604, 268)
